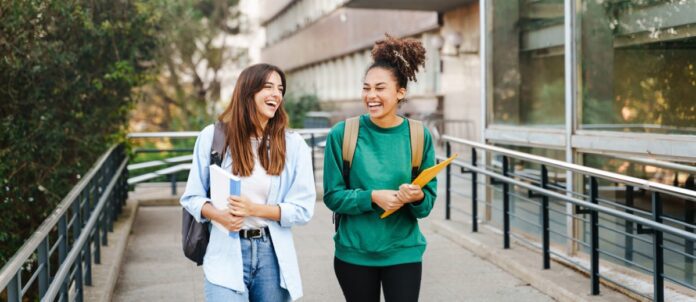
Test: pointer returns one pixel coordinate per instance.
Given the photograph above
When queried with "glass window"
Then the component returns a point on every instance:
(525, 207)
(638, 62)
(676, 212)
(528, 64)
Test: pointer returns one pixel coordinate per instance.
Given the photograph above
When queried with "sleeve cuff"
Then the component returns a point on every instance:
(364, 201)
(284, 215)
(197, 207)
(417, 205)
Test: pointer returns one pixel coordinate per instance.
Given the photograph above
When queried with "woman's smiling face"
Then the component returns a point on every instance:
(269, 98)
(381, 93)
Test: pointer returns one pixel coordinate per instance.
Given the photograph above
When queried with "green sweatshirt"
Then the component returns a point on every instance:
(382, 161)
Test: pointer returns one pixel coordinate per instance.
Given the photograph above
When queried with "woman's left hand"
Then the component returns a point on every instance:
(409, 193)
(241, 206)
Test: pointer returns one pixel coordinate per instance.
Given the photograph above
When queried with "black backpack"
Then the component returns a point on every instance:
(195, 235)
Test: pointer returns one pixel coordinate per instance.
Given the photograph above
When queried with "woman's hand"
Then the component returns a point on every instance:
(241, 206)
(409, 193)
(230, 222)
(386, 199)
(225, 218)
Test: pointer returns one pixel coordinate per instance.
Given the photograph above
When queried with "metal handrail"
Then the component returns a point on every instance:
(22, 255)
(579, 202)
(584, 205)
(306, 133)
(633, 181)
(87, 222)
(660, 163)
(190, 134)
(78, 246)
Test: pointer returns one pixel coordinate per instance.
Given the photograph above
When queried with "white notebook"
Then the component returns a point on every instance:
(222, 185)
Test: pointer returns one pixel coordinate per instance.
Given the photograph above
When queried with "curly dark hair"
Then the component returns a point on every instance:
(403, 57)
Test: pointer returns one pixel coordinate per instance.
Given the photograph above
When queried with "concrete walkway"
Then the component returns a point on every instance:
(156, 270)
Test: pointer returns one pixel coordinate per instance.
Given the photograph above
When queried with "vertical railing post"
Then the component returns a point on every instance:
(628, 227)
(87, 249)
(546, 240)
(658, 253)
(63, 251)
(79, 287)
(474, 193)
(172, 178)
(97, 243)
(105, 229)
(506, 206)
(104, 215)
(448, 181)
(76, 230)
(14, 288)
(311, 140)
(88, 260)
(594, 240)
(45, 266)
(77, 222)
(689, 244)
(97, 226)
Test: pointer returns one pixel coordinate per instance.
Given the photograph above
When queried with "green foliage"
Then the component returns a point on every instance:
(66, 75)
(190, 63)
(298, 106)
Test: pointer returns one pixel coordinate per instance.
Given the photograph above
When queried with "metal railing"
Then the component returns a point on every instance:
(60, 253)
(585, 204)
(315, 139)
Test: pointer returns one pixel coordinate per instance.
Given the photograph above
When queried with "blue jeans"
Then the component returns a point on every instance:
(261, 276)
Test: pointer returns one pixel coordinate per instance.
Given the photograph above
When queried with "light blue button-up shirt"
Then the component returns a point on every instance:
(293, 191)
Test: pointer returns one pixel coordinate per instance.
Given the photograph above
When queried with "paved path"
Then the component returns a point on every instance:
(155, 269)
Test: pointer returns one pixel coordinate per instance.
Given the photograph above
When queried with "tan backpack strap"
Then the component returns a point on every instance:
(350, 139)
(417, 141)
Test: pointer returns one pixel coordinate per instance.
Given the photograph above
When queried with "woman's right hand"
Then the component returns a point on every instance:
(386, 199)
(230, 222)
(225, 218)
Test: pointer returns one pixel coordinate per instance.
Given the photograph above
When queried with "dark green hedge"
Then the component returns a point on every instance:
(67, 69)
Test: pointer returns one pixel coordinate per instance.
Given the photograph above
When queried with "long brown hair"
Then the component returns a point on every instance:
(242, 121)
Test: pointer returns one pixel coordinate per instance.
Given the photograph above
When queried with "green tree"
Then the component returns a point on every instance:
(298, 106)
(196, 48)
(66, 75)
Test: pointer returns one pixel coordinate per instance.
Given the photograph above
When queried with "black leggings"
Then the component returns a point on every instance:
(362, 283)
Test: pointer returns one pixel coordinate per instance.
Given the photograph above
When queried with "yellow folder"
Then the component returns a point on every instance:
(425, 177)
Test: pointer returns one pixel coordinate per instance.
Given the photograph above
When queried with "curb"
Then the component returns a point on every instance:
(112, 270)
(535, 276)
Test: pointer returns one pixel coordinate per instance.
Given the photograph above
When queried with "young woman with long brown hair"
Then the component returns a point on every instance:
(277, 193)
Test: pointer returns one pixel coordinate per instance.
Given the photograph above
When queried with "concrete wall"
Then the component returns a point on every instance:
(342, 32)
(460, 79)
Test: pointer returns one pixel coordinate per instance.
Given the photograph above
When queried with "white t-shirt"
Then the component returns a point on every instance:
(256, 188)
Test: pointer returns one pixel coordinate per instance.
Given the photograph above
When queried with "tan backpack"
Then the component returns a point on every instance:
(350, 141)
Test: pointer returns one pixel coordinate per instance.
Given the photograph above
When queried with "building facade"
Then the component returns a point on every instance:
(602, 83)
(324, 46)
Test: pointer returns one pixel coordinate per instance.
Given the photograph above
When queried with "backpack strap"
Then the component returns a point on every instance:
(350, 140)
(219, 146)
(417, 140)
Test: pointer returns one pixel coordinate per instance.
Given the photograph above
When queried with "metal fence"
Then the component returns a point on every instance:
(509, 182)
(56, 261)
(169, 166)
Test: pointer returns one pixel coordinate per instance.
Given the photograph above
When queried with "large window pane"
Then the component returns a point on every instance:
(638, 66)
(528, 72)
(525, 208)
(676, 211)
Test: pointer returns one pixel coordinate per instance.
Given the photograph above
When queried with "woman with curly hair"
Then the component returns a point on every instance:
(374, 253)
